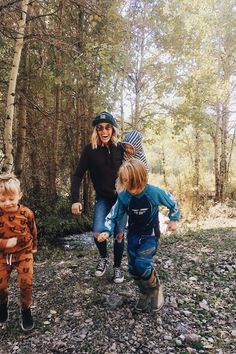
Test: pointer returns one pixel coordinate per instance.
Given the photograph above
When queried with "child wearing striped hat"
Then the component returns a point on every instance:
(132, 145)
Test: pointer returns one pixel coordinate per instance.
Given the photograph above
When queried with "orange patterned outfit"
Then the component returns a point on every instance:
(20, 224)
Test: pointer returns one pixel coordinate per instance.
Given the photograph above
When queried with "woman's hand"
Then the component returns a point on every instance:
(76, 208)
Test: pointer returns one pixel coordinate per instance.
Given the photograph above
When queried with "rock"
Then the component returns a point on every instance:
(114, 300)
(181, 329)
(178, 342)
(187, 313)
(192, 337)
(173, 302)
(203, 304)
(191, 350)
(233, 332)
(193, 279)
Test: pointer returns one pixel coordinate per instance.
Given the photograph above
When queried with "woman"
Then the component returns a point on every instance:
(102, 158)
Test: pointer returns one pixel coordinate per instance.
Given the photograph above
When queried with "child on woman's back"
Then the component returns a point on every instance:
(132, 144)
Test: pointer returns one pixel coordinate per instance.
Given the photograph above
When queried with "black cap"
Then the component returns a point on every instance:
(104, 117)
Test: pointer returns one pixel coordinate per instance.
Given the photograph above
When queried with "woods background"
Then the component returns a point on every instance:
(166, 68)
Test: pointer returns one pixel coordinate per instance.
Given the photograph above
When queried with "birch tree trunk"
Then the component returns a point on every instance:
(7, 135)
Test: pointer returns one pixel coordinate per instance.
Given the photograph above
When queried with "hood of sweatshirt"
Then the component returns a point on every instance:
(134, 138)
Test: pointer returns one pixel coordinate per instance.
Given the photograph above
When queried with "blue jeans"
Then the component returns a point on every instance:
(101, 209)
(140, 250)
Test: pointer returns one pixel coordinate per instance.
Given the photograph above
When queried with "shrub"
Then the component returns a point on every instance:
(54, 219)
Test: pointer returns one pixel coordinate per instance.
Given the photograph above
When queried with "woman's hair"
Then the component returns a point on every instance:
(131, 175)
(95, 140)
(9, 184)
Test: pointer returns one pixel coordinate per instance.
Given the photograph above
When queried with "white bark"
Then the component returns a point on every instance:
(7, 135)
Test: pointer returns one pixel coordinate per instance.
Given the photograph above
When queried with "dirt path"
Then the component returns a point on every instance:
(78, 313)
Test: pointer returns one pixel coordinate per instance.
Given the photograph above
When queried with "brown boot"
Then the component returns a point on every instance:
(156, 296)
(143, 300)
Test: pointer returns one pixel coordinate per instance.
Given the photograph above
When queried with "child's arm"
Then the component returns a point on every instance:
(167, 199)
(115, 216)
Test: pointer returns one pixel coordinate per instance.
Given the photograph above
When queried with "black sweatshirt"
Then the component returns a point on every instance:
(103, 164)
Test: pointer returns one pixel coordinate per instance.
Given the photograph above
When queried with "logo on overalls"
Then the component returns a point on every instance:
(139, 211)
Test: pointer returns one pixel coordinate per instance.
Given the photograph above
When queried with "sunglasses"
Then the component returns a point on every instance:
(100, 128)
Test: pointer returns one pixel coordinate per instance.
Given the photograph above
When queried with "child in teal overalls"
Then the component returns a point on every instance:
(141, 202)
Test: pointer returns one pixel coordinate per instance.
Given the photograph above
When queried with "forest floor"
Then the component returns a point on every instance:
(76, 312)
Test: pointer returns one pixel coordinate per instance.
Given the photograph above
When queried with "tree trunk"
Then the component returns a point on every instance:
(196, 180)
(22, 115)
(7, 135)
(88, 192)
(139, 79)
(230, 154)
(163, 166)
(223, 156)
(21, 135)
(215, 138)
(58, 105)
(122, 121)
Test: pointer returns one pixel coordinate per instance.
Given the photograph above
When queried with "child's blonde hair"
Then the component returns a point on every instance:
(9, 184)
(95, 140)
(132, 175)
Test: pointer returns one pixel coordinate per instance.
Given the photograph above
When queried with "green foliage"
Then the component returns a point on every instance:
(56, 220)
(197, 345)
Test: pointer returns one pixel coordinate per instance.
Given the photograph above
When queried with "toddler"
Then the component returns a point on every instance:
(18, 242)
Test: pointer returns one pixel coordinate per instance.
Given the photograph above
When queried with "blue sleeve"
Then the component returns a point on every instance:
(166, 199)
(114, 217)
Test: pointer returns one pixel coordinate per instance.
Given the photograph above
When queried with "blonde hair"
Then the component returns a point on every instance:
(9, 184)
(132, 175)
(95, 140)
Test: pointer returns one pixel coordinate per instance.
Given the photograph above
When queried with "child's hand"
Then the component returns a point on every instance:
(11, 242)
(172, 226)
(103, 236)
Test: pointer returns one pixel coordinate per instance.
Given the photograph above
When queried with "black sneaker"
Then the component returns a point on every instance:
(117, 276)
(27, 322)
(101, 267)
(3, 312)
